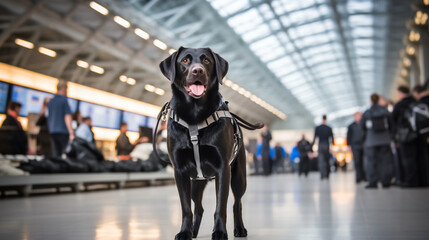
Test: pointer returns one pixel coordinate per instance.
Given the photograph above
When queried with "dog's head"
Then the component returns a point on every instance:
(194, 70)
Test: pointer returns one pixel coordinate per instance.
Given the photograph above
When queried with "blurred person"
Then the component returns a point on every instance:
(76, 119)
(13, 139)
(43, 138)
(294, 158)
(405, 137)
(279, 158)
(123, 144)
(60, 120)
(258, 157)
(304, 148)
(265, 154)
(326, 138)
(376, 124)
(84, 131)
(355, 143)
(421, 93)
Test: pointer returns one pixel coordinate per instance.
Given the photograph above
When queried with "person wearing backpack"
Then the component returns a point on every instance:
(405, 136)
(421, 93)
(376, 124)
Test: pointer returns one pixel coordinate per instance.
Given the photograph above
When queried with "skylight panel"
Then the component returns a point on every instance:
(261, 30)
(361, 20)
(354, 6)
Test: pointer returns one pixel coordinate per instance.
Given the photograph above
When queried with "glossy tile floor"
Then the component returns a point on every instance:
(276, 208)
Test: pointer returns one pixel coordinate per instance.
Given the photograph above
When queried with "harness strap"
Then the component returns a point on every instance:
(193, 133)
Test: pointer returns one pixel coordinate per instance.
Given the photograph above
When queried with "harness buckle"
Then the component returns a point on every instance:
(194, 138)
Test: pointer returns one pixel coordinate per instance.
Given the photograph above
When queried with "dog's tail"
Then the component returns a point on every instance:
(243, 123)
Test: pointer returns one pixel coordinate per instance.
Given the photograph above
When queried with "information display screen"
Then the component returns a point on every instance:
(101, 116)
(134, 121)
(151, 122)
(4, 87)
(31, 100)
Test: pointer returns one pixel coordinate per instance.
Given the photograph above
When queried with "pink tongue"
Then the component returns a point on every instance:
(197, 89)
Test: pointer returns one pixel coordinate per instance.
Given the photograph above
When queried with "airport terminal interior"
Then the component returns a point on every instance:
(307, 119)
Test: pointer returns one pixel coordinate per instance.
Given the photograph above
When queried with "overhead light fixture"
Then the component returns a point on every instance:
(82, 64)
(123, 78)
(407, 62)
(410, 50)
(171, 51)
(161, 45)
(420, 18)
(414, 36)
(131, 81)
(141, 33)
(47, 51)
(159, 91)
(124, 23)
(426, 2)
(149, 88)
(228, 82)
(404, 72)
(97, 7)
(24, 43)
(235, 87)
(96, 69)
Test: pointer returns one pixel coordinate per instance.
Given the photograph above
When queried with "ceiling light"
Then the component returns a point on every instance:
(404, 72)
(235, 87)
(96, 69)
(24, 43)
(124, 23)
(97, 7)
(407, 62)
(410, 50)
(414, 36)
(420, 18)
(123, 78)
(141, 33)
(82, 64)
(426, 2)
(149, 88)
(159, 91)
(171, 51)
(131, 81)
(228, 82)
(159, 44)
(47, 51)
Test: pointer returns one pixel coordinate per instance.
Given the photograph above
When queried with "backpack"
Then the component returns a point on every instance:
(419, 118)
(378, 123)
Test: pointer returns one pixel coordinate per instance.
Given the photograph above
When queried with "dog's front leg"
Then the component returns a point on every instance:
(222, 191)
(183, 184)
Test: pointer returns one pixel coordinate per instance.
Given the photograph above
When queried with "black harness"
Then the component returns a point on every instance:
(167, 113)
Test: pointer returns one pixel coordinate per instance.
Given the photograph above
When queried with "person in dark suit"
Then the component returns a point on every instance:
(421, 94)
(326, 138)
(355, 143)
(13, 139)
(376, 123)
(407, 148)
(304, 148)
(266, 159)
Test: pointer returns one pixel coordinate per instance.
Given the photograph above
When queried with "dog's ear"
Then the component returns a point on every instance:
(221, 66)
(168, 66)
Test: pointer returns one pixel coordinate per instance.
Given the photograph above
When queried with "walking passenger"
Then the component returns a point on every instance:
(326, 138)
(376, 124)
(355, 143)
(304, 148)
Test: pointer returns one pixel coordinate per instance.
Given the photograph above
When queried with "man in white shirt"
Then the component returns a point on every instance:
(84, 130)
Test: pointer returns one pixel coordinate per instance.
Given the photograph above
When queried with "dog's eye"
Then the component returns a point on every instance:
(206, 60)
(186, 60)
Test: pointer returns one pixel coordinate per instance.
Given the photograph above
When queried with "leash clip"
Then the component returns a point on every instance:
(164, 114)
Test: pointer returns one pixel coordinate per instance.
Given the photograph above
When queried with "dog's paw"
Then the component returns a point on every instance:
(240, 232)
(219, 235)
(183, 236)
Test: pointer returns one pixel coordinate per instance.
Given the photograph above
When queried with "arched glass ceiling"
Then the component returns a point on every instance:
(328, 53)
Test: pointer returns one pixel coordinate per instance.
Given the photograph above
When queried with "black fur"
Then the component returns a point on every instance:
(215, 141)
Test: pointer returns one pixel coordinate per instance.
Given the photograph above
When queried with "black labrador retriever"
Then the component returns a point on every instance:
(195, 75)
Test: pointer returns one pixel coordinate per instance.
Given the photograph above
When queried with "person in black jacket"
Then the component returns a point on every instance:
(266, 159)
(13, 139)
(326, 138)
(376, 124)
(421, 93)
(402, 131)
(304, 148)
(355, 142)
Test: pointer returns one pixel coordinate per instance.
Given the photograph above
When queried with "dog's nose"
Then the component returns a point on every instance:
(197, 70)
